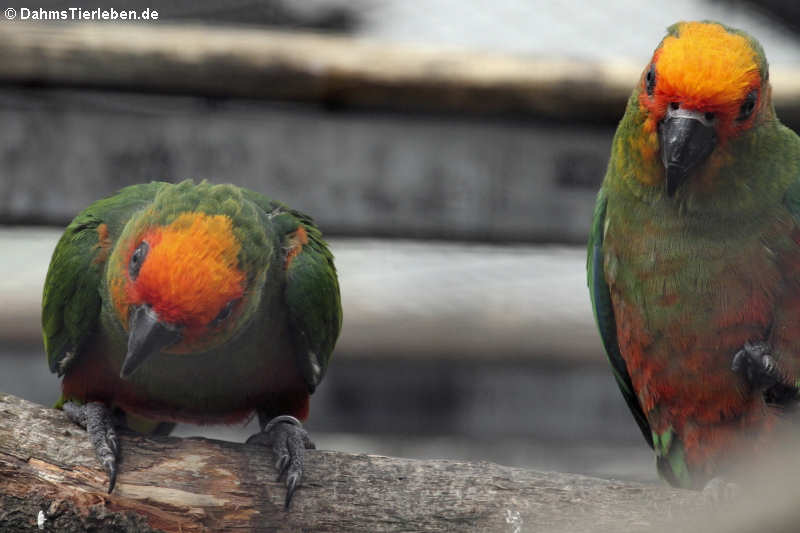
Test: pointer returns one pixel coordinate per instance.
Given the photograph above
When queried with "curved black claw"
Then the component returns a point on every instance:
(755, 364)
(97, 420)
(760, 370)
(288, 440)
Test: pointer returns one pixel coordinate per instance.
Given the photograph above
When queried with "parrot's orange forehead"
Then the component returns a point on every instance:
(705, 66)
(191, 270)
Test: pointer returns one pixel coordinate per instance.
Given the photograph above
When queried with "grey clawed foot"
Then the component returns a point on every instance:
(758, 367)
(288, 440)
(97, 420)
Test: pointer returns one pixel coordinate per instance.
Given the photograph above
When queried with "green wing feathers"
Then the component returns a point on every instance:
(604, 316)
(71, 299)
(311, 289)
(312, 296)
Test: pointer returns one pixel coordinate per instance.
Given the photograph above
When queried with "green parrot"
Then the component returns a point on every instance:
(202, 303)
(694, 256)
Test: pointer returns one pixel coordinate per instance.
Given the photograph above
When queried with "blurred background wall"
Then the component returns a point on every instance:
(450, 151)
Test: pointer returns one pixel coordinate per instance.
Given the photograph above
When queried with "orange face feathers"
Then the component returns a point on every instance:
(191, 270)
(707, 68)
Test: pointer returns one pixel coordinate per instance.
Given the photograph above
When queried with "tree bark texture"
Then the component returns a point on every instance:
(48, 471)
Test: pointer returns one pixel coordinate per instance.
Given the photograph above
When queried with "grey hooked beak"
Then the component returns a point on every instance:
(687, 138)
(147, 335)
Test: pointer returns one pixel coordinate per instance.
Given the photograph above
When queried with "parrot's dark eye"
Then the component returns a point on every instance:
(748, 105)
(224, 313)
(137, 259)
(650, 80)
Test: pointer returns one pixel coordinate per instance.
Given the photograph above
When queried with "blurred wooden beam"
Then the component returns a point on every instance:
(401, 298)
(358, 174)
(247, 63)
(335, 71)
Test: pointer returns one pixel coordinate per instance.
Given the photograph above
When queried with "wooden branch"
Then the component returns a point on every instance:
(172, 484)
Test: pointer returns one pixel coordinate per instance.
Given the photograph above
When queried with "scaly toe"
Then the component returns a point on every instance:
(97, 420)
(288, 441)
